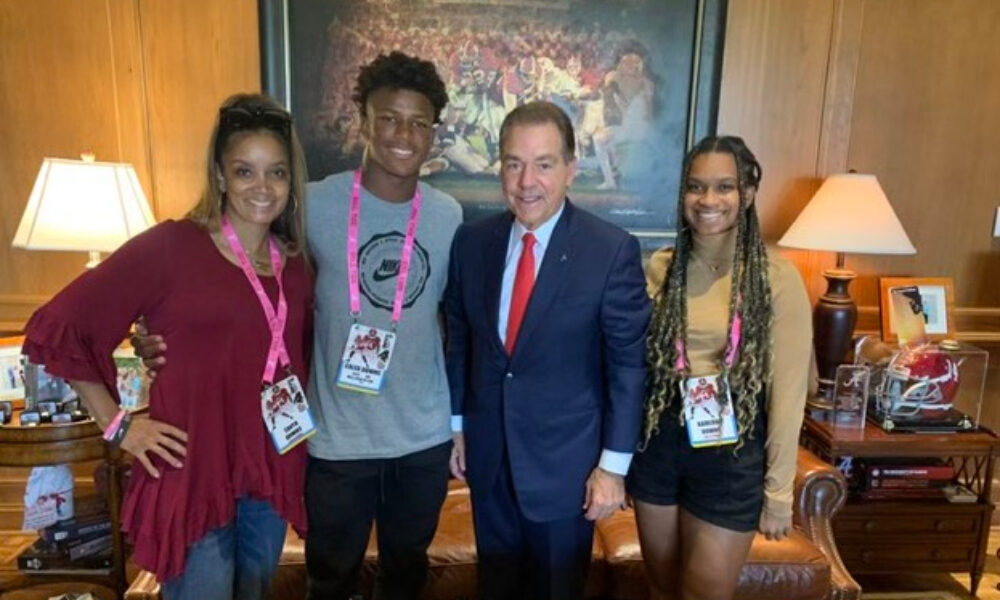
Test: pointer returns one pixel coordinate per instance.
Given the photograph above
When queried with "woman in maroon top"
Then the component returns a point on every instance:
(210, 496)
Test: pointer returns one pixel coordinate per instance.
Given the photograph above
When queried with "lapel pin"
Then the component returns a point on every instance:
(562, 258)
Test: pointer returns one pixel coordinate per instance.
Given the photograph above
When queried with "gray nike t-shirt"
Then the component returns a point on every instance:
(413, 411)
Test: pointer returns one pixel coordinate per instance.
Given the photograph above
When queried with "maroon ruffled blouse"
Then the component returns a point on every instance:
(217, 338)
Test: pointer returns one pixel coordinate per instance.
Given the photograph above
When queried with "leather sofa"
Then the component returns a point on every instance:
(806, 566)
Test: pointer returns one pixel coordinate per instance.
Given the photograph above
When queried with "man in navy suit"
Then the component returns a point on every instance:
(547, 315)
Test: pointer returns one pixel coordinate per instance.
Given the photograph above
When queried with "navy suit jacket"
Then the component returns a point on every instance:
(574, 383)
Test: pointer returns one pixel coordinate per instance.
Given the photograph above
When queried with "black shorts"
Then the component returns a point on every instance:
(711, 483)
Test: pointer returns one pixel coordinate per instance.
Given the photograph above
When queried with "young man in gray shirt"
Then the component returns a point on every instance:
(380, 453)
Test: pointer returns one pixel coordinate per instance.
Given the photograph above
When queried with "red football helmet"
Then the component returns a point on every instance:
(920, 381)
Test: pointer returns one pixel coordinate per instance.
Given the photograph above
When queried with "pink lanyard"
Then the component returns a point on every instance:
(353, 223)
(276, 321)
(735, 335)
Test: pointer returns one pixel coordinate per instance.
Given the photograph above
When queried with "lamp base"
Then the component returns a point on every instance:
(823, 399)
(834, 318)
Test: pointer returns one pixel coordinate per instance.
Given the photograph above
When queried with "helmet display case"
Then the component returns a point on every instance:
(927, 387)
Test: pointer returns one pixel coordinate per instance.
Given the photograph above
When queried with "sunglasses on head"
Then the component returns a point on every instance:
(235, 118)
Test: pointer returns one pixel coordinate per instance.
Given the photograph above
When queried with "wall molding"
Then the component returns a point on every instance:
(974, 324)
(15, 309)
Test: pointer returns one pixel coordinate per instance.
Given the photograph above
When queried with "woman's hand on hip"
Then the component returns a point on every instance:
(146, 436)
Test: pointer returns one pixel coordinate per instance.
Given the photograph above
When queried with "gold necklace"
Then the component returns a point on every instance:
(714, 269)
(260, 265)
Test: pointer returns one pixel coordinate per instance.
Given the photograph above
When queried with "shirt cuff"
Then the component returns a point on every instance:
(456, 423)
(777, 507)
(611, 461)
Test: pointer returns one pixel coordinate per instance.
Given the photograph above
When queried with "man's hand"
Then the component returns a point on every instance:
(150, 348)
(605, 494)
(457, 461)
(774, 528)
(145, 435)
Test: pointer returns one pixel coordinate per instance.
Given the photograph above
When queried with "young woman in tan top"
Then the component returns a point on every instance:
(729, 353)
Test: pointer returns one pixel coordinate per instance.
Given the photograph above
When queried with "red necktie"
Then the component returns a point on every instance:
(524, 280)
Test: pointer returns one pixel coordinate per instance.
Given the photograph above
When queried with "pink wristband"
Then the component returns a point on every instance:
(113, 426)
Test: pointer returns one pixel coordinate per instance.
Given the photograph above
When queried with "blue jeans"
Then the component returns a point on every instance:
(233, 561)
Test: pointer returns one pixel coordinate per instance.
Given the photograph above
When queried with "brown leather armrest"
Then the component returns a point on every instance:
(820, 491)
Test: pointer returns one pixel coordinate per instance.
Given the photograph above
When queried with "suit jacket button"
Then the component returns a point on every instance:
(510, 376)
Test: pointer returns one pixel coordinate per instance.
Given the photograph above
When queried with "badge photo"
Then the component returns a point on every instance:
(286, 414)
(366, 359)
(709, 420)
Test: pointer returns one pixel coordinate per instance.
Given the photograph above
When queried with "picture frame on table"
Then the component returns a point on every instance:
(917, 307)
(42, 386)
(132, 379)
(24, 384)
(11, 369)
(640, 80)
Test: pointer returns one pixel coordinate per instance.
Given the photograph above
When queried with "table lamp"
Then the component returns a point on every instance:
(849, 213)
(83, 205)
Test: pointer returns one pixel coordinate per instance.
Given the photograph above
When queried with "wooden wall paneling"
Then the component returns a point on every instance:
(989, 414)
(838, 99)
(773, 87)
(925, 121)
(128, 72)
(196, 54)
(773, 82)
(973, 325)
(132, 80)
(909, 93)
(66, 85)
(835, 131)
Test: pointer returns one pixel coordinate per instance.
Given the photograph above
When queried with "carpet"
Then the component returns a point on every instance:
(910, 596)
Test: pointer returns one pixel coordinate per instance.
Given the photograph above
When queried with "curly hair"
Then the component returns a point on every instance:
(398, 71)
(749, 302)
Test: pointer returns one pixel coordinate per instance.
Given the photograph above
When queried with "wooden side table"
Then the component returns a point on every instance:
(68, 443)
(889, 536)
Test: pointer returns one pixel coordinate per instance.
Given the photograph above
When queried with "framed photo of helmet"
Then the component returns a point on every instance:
(917, 309)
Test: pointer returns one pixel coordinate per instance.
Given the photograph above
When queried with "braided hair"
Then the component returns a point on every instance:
(749, 306)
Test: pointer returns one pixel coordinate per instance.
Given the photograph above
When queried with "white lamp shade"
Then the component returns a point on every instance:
(849, 213)
(83, 205)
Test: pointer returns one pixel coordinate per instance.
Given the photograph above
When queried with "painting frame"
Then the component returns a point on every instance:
(937, 297)
(647, 209)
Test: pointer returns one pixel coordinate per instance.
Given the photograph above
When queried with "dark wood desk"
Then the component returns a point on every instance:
(889, 536)
(68, 443)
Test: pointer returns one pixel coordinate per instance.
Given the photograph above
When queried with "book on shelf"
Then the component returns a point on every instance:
(87, 546)
(906, 473)
(878, 483)
(903, 494)
(43, 557)
(945, 472)
(76, 528)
